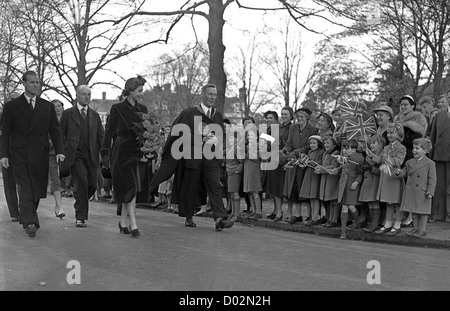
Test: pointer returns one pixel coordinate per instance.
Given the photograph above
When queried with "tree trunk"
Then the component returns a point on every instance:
(217, 50)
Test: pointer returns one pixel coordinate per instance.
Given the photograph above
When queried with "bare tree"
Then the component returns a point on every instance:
(285, 61)
(338, 76)
(409, 46)
(213, 11)
(25, 37)
(187, 70)
(9, 79)
(247, 68)
(70, 42)
(432, 20)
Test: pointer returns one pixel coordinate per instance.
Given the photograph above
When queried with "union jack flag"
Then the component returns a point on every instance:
(358, 126)
(351, 109)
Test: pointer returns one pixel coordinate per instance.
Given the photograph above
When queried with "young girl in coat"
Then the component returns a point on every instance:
(369, 187)
(390, 188)
(311, 182)
(420, 185)
(350, 183)
(329, 181)
(234, 167)
(165, 188)
(252, 172)
(363, 208)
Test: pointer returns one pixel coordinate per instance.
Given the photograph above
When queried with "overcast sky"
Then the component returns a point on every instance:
(240, 23)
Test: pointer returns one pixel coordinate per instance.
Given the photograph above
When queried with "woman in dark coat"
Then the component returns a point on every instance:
(275, 178)
(297, 144)
(415, 126)
(124, 154)
(413, 122)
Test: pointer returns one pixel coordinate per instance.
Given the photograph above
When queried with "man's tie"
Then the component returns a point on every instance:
(209, 113)
(83, 113)
(31, 104)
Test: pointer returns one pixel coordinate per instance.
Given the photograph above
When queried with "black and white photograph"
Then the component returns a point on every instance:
(224, 152)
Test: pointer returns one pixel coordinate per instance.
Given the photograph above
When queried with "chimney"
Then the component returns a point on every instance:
(103, 95)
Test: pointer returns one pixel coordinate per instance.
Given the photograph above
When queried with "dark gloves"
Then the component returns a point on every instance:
(105, 160)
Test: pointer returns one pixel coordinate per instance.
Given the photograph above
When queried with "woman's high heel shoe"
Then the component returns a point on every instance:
(124, 230)
(60, 215)
(135, 233)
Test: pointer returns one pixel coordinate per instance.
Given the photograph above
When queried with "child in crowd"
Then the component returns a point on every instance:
(362, 149)
(350, 183)
(329, 182)
(234, 166)
(252, 172)
(310, 188)
(369, 187)
(165, 188)
(390, 188)
(420, 185)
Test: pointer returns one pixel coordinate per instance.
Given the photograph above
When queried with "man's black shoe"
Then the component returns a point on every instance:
(229, 222)
(220, 225)
(190, 223)
(31, 230)
(80, 224)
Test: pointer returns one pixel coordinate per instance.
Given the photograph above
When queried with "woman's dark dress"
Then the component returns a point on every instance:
(124, 155)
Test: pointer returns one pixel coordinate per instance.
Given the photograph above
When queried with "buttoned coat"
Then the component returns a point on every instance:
(440, 137)
(70, 127)
(275, 177)
(310, 188)
(371, 181)
(120, 143)
(420, 181)
(25, 134)
(351, 172)
(329, 183)
(297, 143)
(390, 188)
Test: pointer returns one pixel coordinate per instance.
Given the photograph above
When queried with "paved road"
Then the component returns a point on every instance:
(170, 256)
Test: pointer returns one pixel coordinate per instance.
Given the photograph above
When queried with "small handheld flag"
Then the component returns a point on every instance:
(355, 128)
(351, 109)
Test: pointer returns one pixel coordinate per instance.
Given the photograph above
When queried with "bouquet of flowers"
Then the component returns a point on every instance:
(148, 135)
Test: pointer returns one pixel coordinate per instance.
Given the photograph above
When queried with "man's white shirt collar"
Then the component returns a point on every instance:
(81, 107)
(33, 98)
(205, 109)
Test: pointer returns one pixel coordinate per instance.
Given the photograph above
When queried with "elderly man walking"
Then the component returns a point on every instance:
(83, 133)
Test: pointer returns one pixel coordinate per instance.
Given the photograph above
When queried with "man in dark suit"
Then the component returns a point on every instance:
(440, 154)
(194, 167)
(27, 122)
(9, 181)
(83, 133)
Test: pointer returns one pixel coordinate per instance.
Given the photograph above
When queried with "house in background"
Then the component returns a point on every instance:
(168, 104)
(103, 106)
